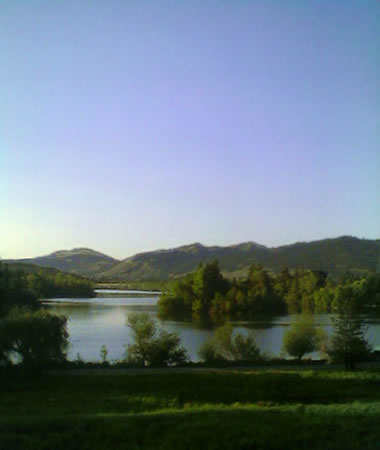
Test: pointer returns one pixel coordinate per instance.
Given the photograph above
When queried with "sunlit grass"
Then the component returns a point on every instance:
(224, 410)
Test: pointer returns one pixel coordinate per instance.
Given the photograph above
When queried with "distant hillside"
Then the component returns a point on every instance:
(42, 271)
(165, 264)
(332, 255)
(81, 261)
(41, 282)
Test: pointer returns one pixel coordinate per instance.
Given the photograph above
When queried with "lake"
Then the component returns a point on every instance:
(93, 322)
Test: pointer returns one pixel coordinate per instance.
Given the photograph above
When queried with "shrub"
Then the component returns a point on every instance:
(153, 346)
(302, 337)
(223, 346)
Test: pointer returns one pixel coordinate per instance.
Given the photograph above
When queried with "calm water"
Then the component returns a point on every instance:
(102, 320)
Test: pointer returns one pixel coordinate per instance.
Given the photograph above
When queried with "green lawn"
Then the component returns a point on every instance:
(264, 409)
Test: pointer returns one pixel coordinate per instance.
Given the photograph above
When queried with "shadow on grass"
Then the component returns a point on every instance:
(214, 410)
(209, 427)
(84, 393)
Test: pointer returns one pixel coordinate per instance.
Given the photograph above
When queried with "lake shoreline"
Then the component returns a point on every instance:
(99, 321)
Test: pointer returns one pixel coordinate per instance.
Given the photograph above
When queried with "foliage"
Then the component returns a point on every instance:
(302, 337)
(22, 285)
(165, 350)
(348, 342)
(153, 346)
(59, 285)
(223, 346)
(207, 292)
(14, 291)
(37, 338)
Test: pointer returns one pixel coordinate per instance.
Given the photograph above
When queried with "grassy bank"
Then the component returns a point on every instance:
(225, 410)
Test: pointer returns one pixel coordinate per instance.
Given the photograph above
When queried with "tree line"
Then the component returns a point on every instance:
(38, 339)
(153, 346)
(29, 334)
(20, 288)
(207, 292)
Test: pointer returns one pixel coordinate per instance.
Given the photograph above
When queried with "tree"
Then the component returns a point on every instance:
(348, 343)
(223, 346)
(165, 350)
(13, 291)
(207, 282)
(153, 346)
(143, 331)
(302, 337)
(36, 337)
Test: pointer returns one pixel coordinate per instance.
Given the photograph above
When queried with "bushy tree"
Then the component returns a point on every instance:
(244, 348)
(166, 350)
(302, 337)
(152, 346)
(207, 282)
(348, 343)
(36, 337)
(14, 291)
(223, 346)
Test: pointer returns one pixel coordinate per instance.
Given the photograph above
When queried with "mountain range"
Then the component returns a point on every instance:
(334, 256)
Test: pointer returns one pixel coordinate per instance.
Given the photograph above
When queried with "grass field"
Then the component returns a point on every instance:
(264, 409)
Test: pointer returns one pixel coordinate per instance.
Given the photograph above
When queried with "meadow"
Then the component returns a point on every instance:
(209, 409)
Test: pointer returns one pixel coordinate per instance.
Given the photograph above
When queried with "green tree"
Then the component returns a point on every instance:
(143, 330)
(165, 350)
(302, 337)
(152, 346)
(348, 342)
(37, 337)
(13, 291)
(206, 283)
(223, 346)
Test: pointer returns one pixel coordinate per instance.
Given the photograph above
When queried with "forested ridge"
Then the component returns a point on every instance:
(24, 284)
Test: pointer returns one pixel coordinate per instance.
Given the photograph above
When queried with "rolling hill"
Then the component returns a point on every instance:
(81, 261)
(335, 256)
(332, 255)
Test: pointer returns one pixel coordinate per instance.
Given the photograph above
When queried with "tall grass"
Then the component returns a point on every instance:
(223, 410)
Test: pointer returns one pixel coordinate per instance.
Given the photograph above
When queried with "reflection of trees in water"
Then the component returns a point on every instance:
(207, 322)
(259, 325)
(93, 324)
(81, 309)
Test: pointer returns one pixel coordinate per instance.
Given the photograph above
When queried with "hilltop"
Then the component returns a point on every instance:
(335, 256)
(331, 255)
(81, 261)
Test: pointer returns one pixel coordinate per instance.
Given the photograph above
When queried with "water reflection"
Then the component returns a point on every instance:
(102, 320)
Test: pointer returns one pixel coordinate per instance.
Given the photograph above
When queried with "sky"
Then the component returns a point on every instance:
(128, 126)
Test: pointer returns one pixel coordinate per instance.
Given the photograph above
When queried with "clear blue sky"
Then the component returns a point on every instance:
(128, 126)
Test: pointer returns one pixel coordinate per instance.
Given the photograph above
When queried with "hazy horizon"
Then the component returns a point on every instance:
(133, 126)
